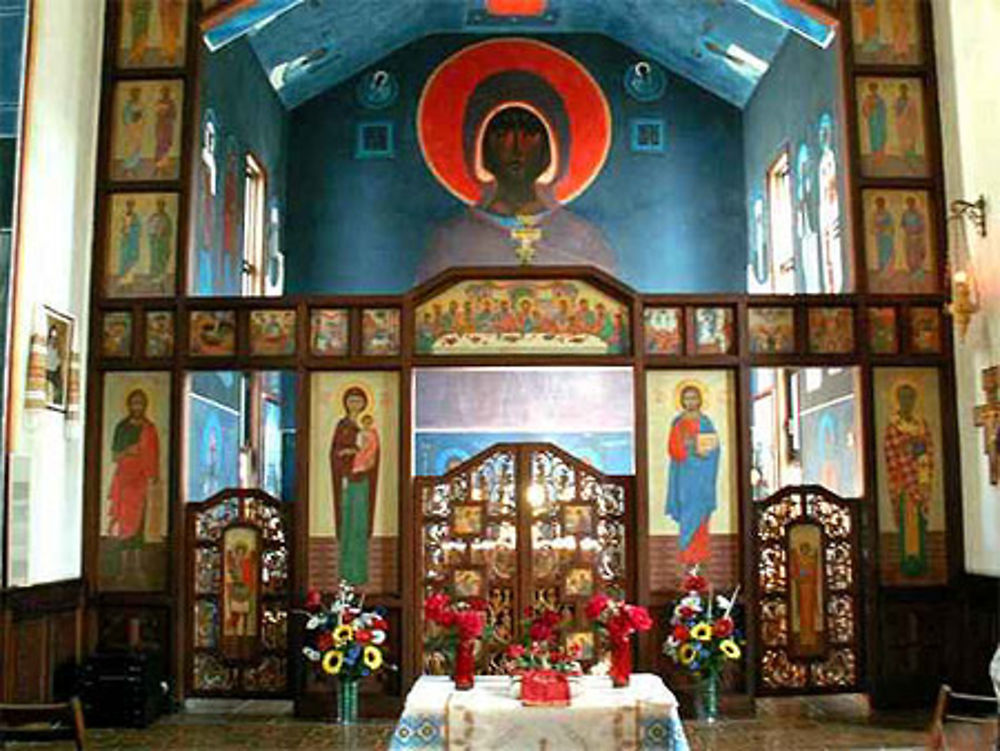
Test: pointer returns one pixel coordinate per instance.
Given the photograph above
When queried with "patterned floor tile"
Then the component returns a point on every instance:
(802, 724)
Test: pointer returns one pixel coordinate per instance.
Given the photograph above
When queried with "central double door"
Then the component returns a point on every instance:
(523, 525)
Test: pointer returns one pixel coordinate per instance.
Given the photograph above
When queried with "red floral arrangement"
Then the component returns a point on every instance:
(541, 648)
(462, 623)
(467, 618)
(617, 618)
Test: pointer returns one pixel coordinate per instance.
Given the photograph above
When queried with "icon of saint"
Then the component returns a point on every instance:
(693, 450)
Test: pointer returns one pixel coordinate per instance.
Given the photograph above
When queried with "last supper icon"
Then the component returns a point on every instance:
(515, 129)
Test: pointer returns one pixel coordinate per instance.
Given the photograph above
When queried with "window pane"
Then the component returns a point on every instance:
(806, 429)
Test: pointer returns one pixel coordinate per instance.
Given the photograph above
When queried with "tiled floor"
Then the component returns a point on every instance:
(793, 724)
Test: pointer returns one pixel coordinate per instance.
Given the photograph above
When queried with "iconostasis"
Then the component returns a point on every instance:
(519, 240)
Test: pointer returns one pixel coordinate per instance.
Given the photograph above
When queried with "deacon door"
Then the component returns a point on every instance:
(238, 584)
(521, 525)
(808, 600)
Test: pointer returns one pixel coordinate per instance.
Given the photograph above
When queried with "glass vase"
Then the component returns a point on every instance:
(347, 701)
(708, 698)
(621, 663)
(465, 665)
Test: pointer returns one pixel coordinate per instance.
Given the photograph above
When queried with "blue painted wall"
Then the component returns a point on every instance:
(802, 84)
(246, 109)
(12, 20)
(677, 220)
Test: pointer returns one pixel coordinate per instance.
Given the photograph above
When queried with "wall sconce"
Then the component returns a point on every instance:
(976, 211)
(964, 290)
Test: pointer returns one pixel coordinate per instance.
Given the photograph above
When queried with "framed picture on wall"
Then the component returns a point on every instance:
(892, 126)
(328, 332)
(58, 347)
(772, 330)
(883, 338)
(900, 242)
(160, 333)
(152, 34)
(831, 330)
(146, 130)
(272, 333)
(212, 333)
(663, 330)
(887, 32)
(140, 247)
(925, 330)
(116, 334)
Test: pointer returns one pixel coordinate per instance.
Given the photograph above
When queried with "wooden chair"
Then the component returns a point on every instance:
(43, 722)
(974, 727)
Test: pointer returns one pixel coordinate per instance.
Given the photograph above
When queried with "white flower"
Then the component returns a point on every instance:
(311, 654)
(378, 637)
(723, 603)
(601, 668)
(313, 623)
(693, 602)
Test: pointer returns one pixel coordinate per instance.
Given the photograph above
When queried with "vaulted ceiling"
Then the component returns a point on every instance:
(307, 46)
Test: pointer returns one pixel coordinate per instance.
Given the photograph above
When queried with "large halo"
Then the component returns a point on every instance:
(441, 125)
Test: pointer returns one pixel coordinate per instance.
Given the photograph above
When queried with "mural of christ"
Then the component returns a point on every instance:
(516, 221)
(693, 450)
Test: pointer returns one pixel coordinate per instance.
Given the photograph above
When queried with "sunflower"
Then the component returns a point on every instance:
(730, 648)
(702, 632)
(332, 661)
(373, 658)
(342, 634)
(687, 653)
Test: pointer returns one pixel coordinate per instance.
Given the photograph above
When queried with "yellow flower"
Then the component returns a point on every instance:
(343, 634)
(702, 632)
(687, 653)
(730, 649)
(333, 660)
(373, 658)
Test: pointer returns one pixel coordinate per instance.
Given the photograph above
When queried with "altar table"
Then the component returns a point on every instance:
(643, 716)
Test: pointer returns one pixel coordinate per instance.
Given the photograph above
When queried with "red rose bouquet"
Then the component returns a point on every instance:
(617, 621)
(543, 647)
(457, 625)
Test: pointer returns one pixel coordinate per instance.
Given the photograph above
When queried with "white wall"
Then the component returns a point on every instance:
(54, 236)
(968, 60)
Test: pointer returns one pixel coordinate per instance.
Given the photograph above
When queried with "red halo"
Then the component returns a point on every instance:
(441, 112)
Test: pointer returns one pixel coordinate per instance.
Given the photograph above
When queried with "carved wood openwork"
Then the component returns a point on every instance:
(520, 525)
(239, 579)
(808, 619)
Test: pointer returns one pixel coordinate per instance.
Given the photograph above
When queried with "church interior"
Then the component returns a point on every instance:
(500, 374)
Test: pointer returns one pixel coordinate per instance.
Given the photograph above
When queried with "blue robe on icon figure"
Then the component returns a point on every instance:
(693, 448)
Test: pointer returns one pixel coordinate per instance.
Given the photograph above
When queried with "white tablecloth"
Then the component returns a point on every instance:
(639, 717)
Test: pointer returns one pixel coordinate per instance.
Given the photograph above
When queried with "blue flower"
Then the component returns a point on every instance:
(351, 658)
(380, 611)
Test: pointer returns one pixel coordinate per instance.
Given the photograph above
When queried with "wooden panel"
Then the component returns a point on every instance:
(29, 661)
(64, 653)
(44, 630)
(913, 650)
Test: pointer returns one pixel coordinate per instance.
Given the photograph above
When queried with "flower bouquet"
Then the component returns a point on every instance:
(346, 642)
(617, 621)
(540, 663)
(703, 637)
(460, 624)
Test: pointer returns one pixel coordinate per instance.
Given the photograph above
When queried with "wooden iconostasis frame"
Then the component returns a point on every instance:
(170, 607)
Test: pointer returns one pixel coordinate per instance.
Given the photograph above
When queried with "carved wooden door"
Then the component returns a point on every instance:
(808, 600)
(520, 525)
(238, 575)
